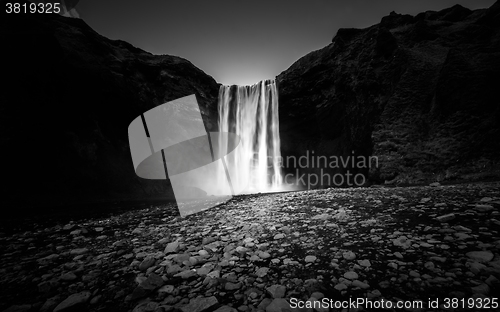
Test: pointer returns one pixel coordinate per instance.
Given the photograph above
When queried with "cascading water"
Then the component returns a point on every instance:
(252, 113)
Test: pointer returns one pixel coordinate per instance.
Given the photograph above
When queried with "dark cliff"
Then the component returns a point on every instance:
(419, 92)
(67, 97)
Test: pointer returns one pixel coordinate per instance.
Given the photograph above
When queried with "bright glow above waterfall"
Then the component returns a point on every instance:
(252, 113)
(243, 42)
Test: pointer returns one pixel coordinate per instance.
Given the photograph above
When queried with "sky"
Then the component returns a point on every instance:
(243, 42)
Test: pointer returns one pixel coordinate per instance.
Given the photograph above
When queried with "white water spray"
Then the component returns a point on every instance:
(252, 113)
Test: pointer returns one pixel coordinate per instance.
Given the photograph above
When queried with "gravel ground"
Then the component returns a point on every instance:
(267, 252)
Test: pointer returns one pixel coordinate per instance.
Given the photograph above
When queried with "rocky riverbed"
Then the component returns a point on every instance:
(259, 252)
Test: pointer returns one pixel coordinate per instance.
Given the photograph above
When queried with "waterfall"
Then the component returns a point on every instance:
(252, 113)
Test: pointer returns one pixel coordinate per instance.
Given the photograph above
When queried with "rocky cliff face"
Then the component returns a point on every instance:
(419, 92)
(67, 98)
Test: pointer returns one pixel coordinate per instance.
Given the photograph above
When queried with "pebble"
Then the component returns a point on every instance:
(79, 251)
(200, 304)
(481, 256)
(276, 291)
(73, 302)
(68, 277)
(349, 255)
(147, 263)
(277, 305)
(171, 248)
(232, 286)
(482, 289)
(392, 265)
(351, 275)
(255, 253)
(446, 218)
(484, 208)
(310, 259)
(226, 309)
(279, 236)
(398, 255)
(357, 283)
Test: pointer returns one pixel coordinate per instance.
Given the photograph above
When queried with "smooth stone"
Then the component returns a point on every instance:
(146, 307)
(167, 289)
(261, 272)
(73, 302)
(79, 251)
(277, 305)
(323, 216)
(349, 255)
(392, 265)
(204, 270)
(402, 241)
(186, 274)
(492, 281)
(482, 289)
(429, 266)
(318, 295)
(263, 254)
(277, 291)
(18, 308)
(174, 269)
(480, 256)
(360, 284)
(414, 274)
(484, 208)
(264, 303)
(279, 236)
(461, 228)
(310, 259)
(446, 217)
(226, 309)
(68, 227)
(200, 304)
(438, 259)
(398, 255)
(486, 199)
(214, 274)
(462, 236)
(152, 282)
(340, 286)
(171, 247)
(232, 286)
(351, 275)
(374, 294)
(241, 249)
(70, 276)
(147, 263)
